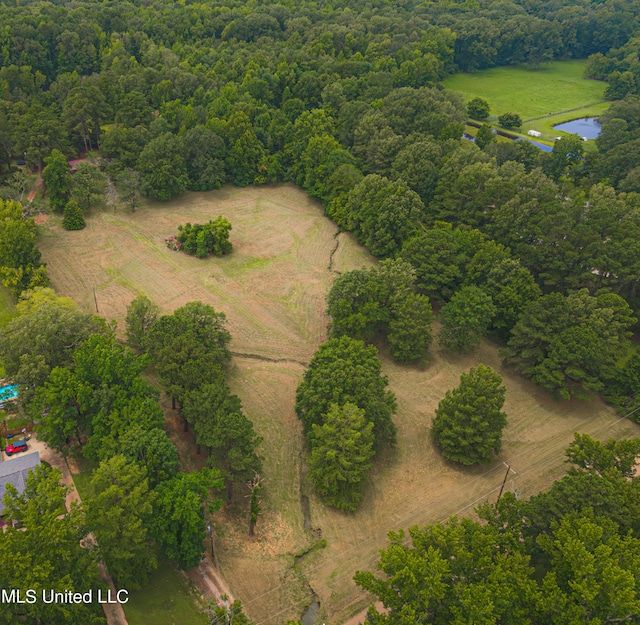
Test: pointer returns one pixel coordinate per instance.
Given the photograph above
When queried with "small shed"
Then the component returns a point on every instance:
(534, 133)
(15, 472)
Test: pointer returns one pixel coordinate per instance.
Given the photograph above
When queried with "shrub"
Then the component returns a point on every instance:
(204, 239)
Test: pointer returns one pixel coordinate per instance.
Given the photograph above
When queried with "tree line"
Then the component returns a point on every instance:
(87, 393)
(568, 555)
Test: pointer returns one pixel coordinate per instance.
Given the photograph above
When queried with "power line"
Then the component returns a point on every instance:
(420, 514)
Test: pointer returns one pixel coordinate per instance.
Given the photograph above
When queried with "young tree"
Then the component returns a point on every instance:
(465, 319)
(73, 219)
(344, 371)
(478, 108)
(342, 449)
(87, 184)
(119, 506)
(57, 177)
(468, 423)
(142, 313)
(178, 522)
(254, 485)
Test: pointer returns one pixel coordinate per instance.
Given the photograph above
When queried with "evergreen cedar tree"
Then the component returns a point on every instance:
(341, 454)
(469, 422)
(73, 219)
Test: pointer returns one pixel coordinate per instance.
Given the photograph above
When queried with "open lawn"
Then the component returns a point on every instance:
(273, 288)
(168, 599)
(553, 88)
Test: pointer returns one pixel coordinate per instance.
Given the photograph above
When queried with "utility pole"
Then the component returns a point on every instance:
(506, 475)
(95, 299)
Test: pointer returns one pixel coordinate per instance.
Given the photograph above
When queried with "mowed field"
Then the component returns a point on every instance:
(273, 288)
(554, 87)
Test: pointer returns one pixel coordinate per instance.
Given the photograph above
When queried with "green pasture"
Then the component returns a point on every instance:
(553, 88)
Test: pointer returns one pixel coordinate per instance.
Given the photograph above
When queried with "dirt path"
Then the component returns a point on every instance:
(34, 191)
(210, 583)
(360, 618)
(113, 612)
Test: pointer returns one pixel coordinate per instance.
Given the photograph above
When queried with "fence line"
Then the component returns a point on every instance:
(577, 108)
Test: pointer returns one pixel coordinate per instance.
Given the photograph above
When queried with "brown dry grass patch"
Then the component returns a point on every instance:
(273, 289)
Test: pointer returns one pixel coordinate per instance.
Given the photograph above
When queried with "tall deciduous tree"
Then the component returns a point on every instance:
(142, 313)
(469, 422)
(342, 449)
(44, 335)
(163, 172)
(119, 506)
(178, 522)
(57, 177)
(220, 425)
(51, 557)
(87, 184)
(128, 187)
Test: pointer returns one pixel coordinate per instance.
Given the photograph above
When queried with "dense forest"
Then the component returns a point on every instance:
(539, 251)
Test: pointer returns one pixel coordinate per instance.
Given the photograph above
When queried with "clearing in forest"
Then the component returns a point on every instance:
(273, 288)
(554, 87)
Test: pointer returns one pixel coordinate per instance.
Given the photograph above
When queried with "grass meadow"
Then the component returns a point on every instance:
(553, 88)
(273, 289)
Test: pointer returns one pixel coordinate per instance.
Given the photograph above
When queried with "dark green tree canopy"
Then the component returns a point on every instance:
(570, 344)
(478, 108)
(73, 219)
(341, 456)
(203, 240)
(364, 304)
(57, 177)
(469, 422)
(344, 370)
(465, 319)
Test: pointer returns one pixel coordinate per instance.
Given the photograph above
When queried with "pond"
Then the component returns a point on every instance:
(588, 127)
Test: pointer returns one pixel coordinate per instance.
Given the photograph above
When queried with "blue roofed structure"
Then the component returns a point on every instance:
(15, 472)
